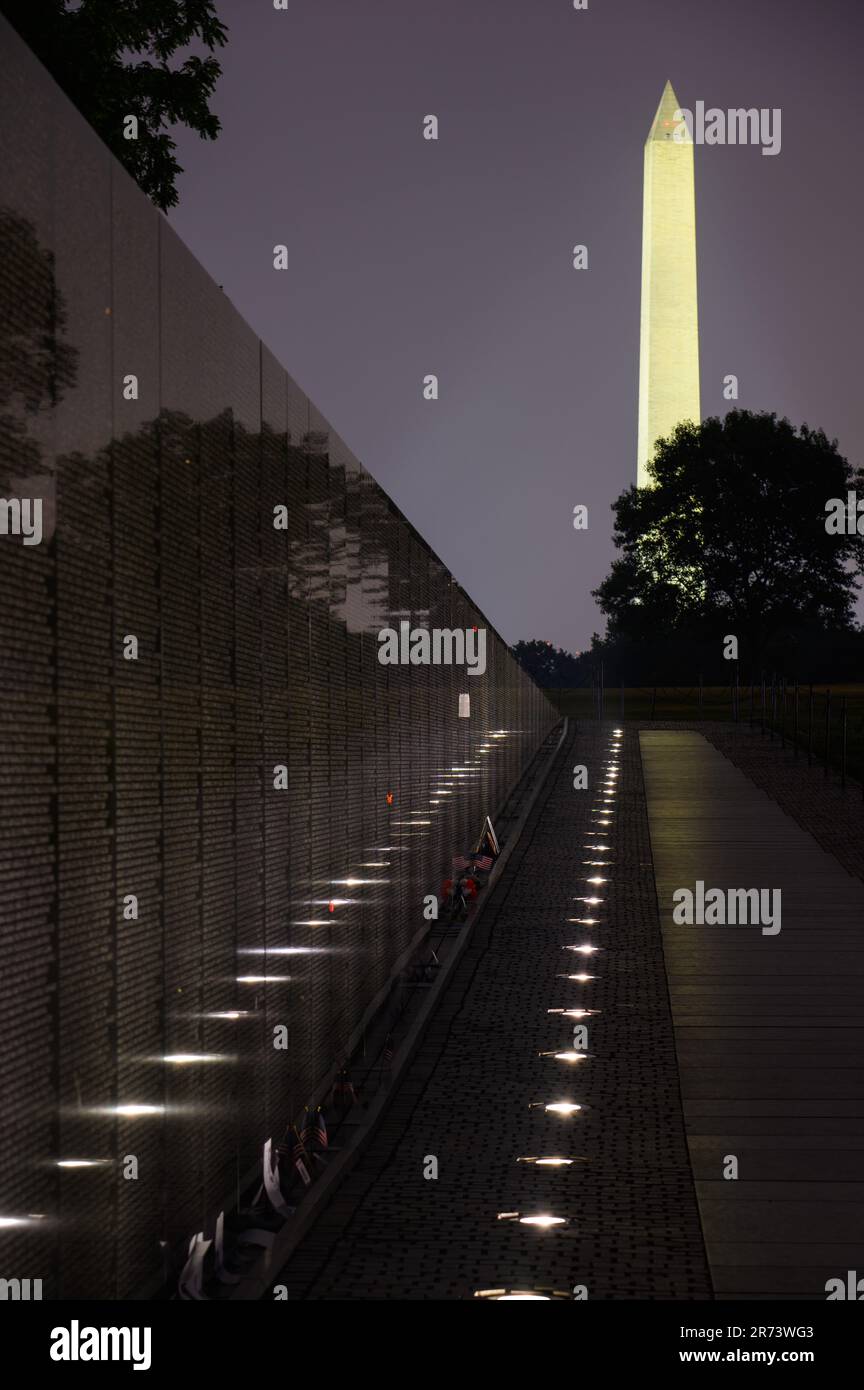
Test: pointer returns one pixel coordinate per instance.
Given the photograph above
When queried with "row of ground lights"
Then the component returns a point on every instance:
(602, 814)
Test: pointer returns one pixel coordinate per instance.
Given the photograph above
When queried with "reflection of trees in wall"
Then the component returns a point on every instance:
(154, 777)
(37, 365)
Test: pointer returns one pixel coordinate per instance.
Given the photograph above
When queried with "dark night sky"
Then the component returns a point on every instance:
(409, 257)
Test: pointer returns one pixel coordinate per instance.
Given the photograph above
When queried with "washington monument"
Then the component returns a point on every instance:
(669, 342)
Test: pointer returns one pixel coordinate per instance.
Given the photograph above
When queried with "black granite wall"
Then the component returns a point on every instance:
(257, 649)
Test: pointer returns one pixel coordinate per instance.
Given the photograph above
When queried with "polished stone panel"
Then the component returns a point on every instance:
(156, 869)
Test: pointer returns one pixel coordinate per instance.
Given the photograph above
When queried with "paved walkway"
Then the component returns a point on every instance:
(475, 1092)
(769, 1029)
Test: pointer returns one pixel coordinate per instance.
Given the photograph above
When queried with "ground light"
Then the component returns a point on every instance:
(185, 1059)
(283, 951)
(575, 1013)
(553, 1162)
(132, 1111)
(540, 1294)
(263, 979)
(82, 1162)
(519, 1295)
(542, 1219)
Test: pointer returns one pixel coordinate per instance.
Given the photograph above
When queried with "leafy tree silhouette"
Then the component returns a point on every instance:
(550, 666)
(731, 538)
(86, 49)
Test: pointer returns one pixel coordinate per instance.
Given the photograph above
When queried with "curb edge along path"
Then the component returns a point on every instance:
(466, 1096)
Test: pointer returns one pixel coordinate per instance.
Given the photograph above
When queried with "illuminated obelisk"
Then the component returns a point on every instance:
(669, 344)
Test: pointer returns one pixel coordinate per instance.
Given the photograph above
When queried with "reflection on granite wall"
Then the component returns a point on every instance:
(166, 649)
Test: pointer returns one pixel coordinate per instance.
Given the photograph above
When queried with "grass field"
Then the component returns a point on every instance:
(820, 723)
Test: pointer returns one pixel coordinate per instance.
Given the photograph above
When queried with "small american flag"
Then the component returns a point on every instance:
(460, 862)
(313, 1134)
(343, 1092)
(298, 1154)
(306, 1128)
(298, 1148)
(483, 862)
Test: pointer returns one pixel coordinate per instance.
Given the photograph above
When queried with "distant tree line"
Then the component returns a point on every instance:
(552, 667)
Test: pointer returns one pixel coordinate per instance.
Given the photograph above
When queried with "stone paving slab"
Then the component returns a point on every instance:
(769, 1029)
(474, 1094)
(832, 813)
